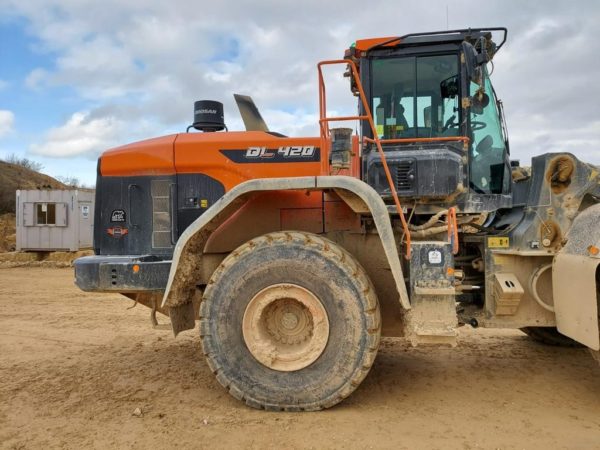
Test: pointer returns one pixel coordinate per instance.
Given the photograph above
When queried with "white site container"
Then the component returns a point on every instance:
(54, 220)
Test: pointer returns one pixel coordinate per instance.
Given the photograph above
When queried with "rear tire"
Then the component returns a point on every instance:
(550, 336)
(290, 321)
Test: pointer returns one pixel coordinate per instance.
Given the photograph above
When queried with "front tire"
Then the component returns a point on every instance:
(550, 336)
(290, 321)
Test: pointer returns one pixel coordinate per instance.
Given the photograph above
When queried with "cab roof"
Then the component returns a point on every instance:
(433, 37)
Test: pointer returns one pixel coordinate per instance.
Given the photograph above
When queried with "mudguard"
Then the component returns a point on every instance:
(574, 280)
(187, 256)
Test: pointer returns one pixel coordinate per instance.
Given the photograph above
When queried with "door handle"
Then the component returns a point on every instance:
(130, 189)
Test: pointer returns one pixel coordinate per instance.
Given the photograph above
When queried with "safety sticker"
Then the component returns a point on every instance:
(435, 257)
(498, 242)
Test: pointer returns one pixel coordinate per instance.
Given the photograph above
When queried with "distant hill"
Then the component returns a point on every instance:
(13, 177)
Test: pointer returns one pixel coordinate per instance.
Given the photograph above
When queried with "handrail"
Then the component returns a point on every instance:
(323, 120)
(464, 139)
(452, 229)
(335, 119)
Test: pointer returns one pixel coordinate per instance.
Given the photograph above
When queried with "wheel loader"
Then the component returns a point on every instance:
(294, 255)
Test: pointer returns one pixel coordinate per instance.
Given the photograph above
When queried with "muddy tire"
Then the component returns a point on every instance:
(550, 336)
(290, 321)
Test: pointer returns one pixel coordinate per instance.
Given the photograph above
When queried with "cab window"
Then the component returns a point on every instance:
(415, 97)
(488, 149)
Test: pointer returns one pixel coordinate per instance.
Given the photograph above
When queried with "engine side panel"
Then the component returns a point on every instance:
(235, 157)
(149, 192)
(134, 215)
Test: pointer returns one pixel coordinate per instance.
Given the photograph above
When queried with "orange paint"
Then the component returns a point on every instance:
(149, 157)
(259, 215)
(200, 153)
(365, 44)
(452, 229)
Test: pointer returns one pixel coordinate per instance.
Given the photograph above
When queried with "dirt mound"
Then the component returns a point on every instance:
(8, 236)
(41, 259)
(16, 177)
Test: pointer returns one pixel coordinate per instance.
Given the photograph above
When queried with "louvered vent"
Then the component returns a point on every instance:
(161, 214)
(404, 176)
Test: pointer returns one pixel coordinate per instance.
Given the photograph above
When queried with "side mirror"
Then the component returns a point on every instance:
(472, 64)
(449, 87)
(479, 102)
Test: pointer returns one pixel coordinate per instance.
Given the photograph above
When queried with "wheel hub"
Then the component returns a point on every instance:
(285, 327)
(288, 321)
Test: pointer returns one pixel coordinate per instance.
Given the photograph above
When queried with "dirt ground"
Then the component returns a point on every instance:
(40, 259)
(74, 367)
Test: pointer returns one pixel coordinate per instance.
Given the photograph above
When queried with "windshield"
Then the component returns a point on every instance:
(488, 168)
(415, 97)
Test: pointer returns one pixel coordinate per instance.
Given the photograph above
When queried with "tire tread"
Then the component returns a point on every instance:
(345, 261)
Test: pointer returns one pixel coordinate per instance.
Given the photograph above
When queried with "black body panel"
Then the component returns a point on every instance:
(293, 154)
(138, 221)
(145, 215)
(434, 171)
(133, 197)
(195, 194)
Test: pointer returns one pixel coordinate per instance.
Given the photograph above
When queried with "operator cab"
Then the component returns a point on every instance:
(437, 116)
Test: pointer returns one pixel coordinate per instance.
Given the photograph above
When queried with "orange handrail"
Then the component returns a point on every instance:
(427, 139)
(335, 119)
(323, 120)
(452, 229)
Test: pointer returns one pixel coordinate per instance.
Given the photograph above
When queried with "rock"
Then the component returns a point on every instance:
(137, 412)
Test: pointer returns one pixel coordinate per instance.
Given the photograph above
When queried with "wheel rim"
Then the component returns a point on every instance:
(285, 327)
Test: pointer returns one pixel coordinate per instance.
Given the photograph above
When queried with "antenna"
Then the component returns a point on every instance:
(447, 26)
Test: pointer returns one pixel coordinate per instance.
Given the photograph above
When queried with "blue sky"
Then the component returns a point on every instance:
(80, 76)
(35, 110)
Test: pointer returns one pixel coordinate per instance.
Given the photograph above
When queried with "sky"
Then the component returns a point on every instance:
(78, 77)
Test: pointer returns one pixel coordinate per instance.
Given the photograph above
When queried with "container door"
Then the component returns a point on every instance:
(85, 224)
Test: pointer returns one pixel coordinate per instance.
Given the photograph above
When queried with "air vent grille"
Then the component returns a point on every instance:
(161, 214)
(404, 176)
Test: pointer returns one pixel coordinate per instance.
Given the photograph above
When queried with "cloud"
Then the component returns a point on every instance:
(145, 62)
(80, 134)
(294, 123)
(7, 122)
(36, 78)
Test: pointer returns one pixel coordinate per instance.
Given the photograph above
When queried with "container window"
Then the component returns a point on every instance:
(45, 213)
